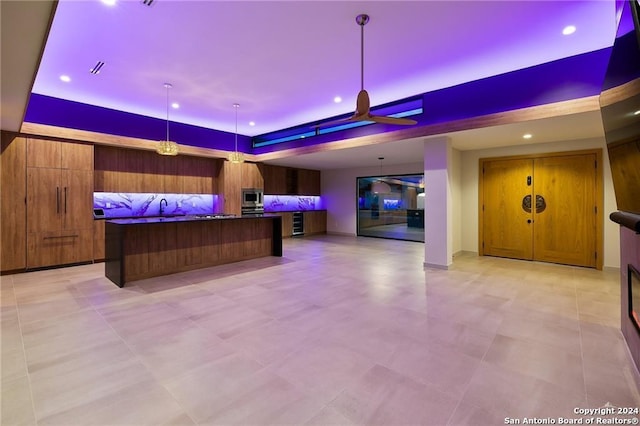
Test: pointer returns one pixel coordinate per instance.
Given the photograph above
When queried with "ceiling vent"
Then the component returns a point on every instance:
(148, 2)
(97, 67)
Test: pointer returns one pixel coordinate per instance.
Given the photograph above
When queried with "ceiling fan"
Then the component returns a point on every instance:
(363, 104)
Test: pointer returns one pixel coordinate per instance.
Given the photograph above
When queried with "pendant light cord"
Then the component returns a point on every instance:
(236, 106)
(168, 86)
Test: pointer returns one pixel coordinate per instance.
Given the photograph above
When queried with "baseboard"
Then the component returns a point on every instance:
(341, 234)
(435, 266)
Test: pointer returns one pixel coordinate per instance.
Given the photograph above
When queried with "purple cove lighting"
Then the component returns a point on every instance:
(121, 205)
(565, 79)
(75, 115)
(291, 203)
(569, 78)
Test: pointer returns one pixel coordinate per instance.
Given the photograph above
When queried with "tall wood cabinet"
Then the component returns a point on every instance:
(13, 190)
(59, 203)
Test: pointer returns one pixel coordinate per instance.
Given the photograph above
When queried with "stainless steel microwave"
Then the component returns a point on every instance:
(252, 198)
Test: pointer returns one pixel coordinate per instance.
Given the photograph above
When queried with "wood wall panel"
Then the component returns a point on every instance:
(211, 247)
(162, 240)
(136, 247)
(98, 240)
(190, 244)
(13, 192)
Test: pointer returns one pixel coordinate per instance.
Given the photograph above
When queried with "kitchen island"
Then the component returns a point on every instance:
(141, 248)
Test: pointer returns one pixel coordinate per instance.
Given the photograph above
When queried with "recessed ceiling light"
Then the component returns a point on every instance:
(569, 29)
(175, 105)
(109, 2)
(527, 136)
(252, 123)
(65, 78)
(337, 99)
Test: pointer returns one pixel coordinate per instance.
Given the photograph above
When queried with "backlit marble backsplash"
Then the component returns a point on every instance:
(291, 203)
(121, 204)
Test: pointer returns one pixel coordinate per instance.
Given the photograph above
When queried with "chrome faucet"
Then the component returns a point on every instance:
(166, 204)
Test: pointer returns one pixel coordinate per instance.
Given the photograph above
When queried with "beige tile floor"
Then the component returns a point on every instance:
(340, 330)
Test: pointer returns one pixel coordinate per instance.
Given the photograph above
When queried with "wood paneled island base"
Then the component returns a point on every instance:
(149, 247)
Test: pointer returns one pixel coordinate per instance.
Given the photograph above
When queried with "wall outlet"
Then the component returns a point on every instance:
(108, 205)
(179, 203)
(193, 204)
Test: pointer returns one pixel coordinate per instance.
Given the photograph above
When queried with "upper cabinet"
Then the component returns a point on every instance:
(130, 170)
(308, 182)
(252, 175)
(59, 155)
(275, 179)
(290, 181)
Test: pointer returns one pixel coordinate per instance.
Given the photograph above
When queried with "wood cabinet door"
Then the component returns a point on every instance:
(77, 199)
(252, 176)
(507, 222)
(308, 182)
(315, 222)
(231, 188)
(44, 200)
(44, 249)
(44, 153)
(76, 156)
(275, 180)
(565, 214)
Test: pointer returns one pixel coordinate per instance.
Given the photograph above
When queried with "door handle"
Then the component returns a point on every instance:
(57, 199)
(541, 204)
(529, 221)
(65, 200)
(526, 203)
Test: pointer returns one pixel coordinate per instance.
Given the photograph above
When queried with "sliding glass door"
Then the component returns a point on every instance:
(391, 207)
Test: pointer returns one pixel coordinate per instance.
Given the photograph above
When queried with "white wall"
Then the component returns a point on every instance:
(469, 199)
(339, 193)
(455, 181)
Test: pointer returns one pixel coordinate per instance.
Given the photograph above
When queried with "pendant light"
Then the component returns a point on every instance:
(167, 147)
(236, 157)
(380, 186)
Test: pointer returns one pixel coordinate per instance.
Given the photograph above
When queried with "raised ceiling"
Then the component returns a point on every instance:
(285, 61)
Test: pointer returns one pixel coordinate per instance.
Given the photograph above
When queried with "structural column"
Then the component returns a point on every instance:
(438, 227)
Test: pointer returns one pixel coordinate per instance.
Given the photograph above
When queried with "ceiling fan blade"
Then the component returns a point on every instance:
(392, 120)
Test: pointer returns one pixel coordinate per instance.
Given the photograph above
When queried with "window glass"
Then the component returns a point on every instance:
(391, 207)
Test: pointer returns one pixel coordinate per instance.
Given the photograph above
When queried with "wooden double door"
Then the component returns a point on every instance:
(544, 208)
